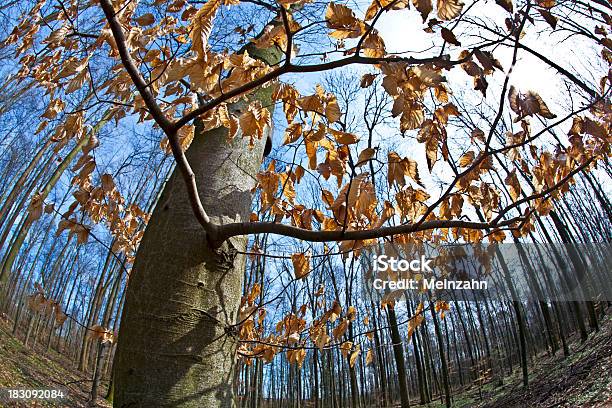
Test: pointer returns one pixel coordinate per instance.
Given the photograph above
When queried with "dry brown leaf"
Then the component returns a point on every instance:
(201, 25)
(467, 159)
(343, 138)
(301, 265)
(145, 19)
(514, 186)
(506, 5)
(549, 18)
(365, 156)
(449, 36)
(354, 355)
(424, 7)
(342, 20)
(449, 9)
(367, 80)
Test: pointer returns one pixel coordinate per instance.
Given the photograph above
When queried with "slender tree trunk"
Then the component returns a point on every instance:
(444, 367)
(398, 351)
(97, 374)
(23, 231)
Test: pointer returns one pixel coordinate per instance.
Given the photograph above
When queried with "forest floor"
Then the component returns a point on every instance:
(26, 368)
(584, 379)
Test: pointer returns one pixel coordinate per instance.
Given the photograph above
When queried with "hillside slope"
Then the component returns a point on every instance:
(582, 380)
(23, 367)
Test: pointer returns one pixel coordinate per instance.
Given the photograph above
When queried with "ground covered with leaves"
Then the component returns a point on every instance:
(584, 379)
(24, 367)
(581, 380)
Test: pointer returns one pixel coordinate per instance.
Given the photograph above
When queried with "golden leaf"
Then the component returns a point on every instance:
(346, 347)
(311, 103)
(296, 356)
(73, 66)
(398, 168)
(546, 3)
(528, 104)
(416, 320)
(412, 117)
(445, 213)
(431, 152)
(268, 181)
(332, 111)
(365, 156)
(442, 307)
(369, 357)
(441, 93)
(342, 19)
(311, 152)
(339, 330)
(456, 205)
(449, 9)
(254, 121)
(185, 135)
(351, 313)
(477, 134)
(343, 137)
(60, 316)
(35, 208)
(201, 25)
(488, 61)
(320, 338)
(466, 159)
(373, 46)
(377, 5)
(335, 311)
(354, 355)
(292, 133)
(299, 173)
(293, 338)
(55, 107)
(497, 235)
(100, 333)
(108, 184)
(301, 265)
(288, 190)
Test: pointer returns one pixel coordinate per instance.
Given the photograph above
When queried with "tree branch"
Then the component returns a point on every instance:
(166, 125)
(247, 228)
(291, 68)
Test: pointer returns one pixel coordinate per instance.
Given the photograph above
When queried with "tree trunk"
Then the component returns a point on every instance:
(443, 367)
(398, 352)
(173, 347)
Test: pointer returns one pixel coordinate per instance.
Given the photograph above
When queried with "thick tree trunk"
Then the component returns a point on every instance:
(173, 348)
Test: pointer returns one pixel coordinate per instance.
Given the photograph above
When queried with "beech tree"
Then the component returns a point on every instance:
(186, 315)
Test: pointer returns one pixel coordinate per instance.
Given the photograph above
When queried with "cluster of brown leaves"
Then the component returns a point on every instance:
(102, 202)
(292, 333)
(99, 333)
(38, 302)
